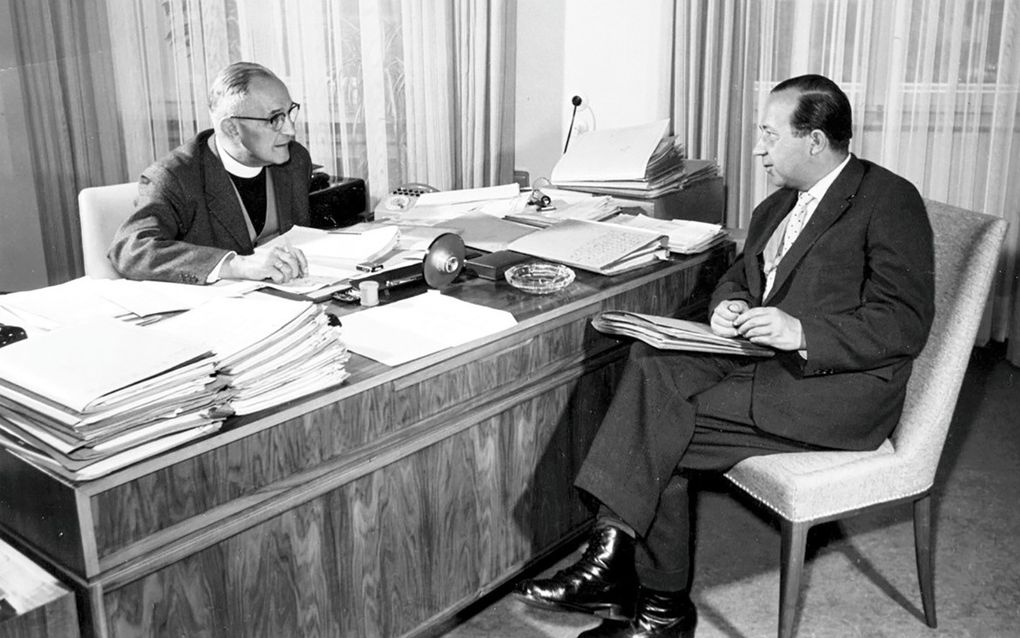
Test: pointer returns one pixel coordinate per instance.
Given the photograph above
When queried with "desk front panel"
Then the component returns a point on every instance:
(373, 508)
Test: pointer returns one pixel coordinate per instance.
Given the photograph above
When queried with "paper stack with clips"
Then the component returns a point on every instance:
(271, 350)
(88, 399)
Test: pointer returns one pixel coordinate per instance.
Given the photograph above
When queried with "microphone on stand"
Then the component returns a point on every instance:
(576, 101)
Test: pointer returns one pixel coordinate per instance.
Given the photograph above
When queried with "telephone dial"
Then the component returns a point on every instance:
(403, 198)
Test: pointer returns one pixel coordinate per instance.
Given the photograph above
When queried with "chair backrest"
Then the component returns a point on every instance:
(101, 210)
(966, 255)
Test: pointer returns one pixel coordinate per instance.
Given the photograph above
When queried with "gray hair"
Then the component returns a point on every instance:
(231, 86)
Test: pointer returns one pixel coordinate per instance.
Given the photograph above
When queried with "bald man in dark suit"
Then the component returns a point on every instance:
(837, 277)
(204, 208)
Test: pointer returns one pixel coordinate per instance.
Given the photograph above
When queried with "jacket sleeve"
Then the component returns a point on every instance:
(147, 245)
(896, 310)
(732, 285)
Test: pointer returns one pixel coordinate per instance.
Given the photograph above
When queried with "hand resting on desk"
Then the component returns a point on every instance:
(281, 264)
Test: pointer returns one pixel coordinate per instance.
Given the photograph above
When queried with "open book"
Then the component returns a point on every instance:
(599, 247)
(667, 333)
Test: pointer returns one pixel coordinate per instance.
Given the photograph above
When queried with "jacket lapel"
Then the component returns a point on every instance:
(835, 202)
(221, 199)
(771, 218)
(281, 188)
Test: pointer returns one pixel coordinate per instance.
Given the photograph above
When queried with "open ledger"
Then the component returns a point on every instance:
(667, 333)
(599, 247)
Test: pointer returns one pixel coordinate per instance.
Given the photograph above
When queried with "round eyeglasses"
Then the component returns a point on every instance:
(277, 120)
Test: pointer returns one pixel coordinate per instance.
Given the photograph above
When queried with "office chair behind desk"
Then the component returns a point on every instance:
(102, 209)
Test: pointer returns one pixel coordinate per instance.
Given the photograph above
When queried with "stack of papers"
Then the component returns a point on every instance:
(85, 299)
(271, 350)
(667, 333)
(599, 247)
(333, 256)
(411, 328)
(637, 161)
(86, 400)
(686, 237)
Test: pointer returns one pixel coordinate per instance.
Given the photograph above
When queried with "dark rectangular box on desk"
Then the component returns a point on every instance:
(342, 203)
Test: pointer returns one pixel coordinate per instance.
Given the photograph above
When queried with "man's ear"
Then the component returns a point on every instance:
(227, 127)
(819, 141)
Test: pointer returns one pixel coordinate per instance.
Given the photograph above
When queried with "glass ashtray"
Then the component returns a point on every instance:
(539, 278)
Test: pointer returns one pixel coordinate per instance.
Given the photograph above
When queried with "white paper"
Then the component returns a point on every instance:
(145, 298)
(228, 326)
(77, 365)
(610, 154)
(412, 328)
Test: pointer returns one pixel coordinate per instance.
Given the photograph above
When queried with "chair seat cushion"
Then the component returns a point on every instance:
(804, 486)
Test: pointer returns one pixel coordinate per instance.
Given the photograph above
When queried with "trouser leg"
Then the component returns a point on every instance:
(724, 435)
(647, 429)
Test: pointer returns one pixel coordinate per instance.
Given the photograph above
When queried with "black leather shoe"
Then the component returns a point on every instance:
(659, 614)
(602, 582)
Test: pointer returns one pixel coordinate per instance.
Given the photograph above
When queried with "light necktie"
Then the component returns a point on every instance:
(794, 223)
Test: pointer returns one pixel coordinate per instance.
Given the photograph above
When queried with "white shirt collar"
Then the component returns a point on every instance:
(232, 165)
(821, 186)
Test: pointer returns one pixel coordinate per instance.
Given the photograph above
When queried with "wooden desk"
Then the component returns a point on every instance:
(378, 508)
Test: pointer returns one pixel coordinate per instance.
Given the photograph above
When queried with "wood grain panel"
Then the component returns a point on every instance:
(383, 554)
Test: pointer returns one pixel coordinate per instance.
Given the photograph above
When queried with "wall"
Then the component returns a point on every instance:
(613, 53)
(22, 265)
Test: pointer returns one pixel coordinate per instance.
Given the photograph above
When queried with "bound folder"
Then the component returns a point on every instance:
(599, 247)
(668, 333)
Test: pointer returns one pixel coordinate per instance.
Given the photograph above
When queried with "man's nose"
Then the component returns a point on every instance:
(759, 148)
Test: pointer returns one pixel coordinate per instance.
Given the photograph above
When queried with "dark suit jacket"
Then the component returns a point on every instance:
(188, 216)
(860, 277)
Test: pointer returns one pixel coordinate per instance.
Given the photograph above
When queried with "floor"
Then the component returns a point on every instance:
(860, 578)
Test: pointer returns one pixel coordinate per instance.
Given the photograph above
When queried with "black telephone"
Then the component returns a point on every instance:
(10, 334)
(403, 198)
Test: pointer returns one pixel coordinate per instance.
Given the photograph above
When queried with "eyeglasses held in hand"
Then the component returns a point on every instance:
(276, 121)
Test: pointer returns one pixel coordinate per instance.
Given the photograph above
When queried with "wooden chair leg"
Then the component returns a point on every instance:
(792, 557)
(925, 557)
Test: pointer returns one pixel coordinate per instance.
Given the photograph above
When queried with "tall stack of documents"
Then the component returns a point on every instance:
(271, 350)
(88, 399)
(637, 161)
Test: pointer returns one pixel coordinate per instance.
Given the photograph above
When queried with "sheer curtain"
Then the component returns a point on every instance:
(391, 91)
(934, 86)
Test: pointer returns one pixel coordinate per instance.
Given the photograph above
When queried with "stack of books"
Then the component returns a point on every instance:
(89, 399)
(271, 350)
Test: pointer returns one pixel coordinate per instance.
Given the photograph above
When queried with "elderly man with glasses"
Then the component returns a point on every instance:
(203, 208)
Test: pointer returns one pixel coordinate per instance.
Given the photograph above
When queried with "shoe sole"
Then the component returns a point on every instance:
(611, 612)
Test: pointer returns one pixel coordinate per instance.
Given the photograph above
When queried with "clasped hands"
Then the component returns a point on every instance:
(281, 264)
(766, 326)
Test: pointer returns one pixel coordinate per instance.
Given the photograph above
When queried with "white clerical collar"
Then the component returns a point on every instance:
(232, 165)
(821, 186)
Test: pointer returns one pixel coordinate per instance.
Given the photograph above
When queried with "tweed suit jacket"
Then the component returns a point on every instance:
(188, 215)
(860, 278)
